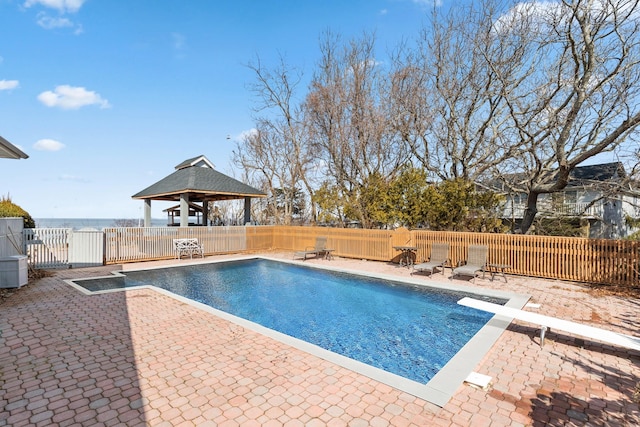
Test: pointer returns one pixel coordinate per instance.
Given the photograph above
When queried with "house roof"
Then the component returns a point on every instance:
(602, 172)
(10, 151)
(580, 176)
(197, 178)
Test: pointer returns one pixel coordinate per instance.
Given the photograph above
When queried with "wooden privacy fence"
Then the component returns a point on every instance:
(346, 242)
(611, 262)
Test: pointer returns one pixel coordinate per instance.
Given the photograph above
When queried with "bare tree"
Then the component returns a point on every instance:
(347, 121)
(449, 93)
(278, 149)
(537, 90)
(492, 89)
(580, 98)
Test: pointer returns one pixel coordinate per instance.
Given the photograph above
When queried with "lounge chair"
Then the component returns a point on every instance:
(320, 248)
(475, 264)
(547, 322)
(438, 259)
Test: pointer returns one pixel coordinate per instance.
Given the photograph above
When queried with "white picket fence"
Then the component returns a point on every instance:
(67, 248)
(63, 247)
(127, 244)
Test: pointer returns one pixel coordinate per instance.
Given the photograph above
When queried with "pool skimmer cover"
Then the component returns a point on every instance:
(478, 380)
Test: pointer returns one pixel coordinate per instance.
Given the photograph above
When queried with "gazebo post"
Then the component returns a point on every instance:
(205, 212)
(247, 210)
(184, 210)
(147, 212)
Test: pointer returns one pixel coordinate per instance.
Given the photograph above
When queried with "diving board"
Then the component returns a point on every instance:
(547, 322)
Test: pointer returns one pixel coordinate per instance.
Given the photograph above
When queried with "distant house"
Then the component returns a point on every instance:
(601, 194)
(10, 151)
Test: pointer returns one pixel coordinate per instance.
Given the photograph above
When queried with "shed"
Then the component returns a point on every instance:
(194, 183)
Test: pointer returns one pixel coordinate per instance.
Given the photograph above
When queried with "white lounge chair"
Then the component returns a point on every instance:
(547, 322)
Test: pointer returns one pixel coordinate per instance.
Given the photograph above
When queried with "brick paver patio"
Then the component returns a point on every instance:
(142, 358)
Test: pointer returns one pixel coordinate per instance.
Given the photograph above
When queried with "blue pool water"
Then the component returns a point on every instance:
(411, 331)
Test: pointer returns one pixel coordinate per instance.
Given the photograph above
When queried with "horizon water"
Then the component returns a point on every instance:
(97, 223)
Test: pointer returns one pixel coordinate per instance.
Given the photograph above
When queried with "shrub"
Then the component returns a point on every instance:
(8, 209)
(561, 226)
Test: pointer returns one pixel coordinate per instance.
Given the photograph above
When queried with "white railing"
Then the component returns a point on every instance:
(590, 210)
(47, 247)
(126, 244)
(63, 247)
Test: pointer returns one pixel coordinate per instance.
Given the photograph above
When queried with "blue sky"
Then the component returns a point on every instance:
(106, 97)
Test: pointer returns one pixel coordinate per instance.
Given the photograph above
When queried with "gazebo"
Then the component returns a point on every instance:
(194, 183)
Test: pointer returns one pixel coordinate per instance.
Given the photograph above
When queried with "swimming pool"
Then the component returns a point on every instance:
(402, 328)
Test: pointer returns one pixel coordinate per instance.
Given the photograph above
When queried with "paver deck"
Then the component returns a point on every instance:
(142, 358)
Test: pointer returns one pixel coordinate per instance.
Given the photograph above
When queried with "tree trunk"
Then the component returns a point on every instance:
(529, 213)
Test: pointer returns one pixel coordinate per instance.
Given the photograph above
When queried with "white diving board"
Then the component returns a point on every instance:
(547, 322)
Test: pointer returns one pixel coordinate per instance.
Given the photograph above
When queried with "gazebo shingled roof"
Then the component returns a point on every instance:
(201, 183)
(195, 180)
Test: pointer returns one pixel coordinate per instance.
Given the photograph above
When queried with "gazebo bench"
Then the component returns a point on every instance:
(187, 247)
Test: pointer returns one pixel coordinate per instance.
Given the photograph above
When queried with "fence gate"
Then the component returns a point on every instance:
(86, 248)
(47, 247)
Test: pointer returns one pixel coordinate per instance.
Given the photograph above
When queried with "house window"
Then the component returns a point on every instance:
(519, 198)
(571, 197)
(557, 199)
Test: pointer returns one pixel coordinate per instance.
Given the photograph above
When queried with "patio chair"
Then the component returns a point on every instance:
(475, 264)
(320, 248)
(438, 259)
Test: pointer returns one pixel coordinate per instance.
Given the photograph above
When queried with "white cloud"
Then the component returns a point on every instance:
(179, 41)
(48, 23)
(73, 178)
(48, 145)
(179, 44)
(428, 2)
(71, 98)
(9, 84)
(62, 6)
(534, 15)
(541, 16)
(246, 134)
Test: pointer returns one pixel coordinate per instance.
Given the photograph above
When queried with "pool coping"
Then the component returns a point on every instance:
(437, 391)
